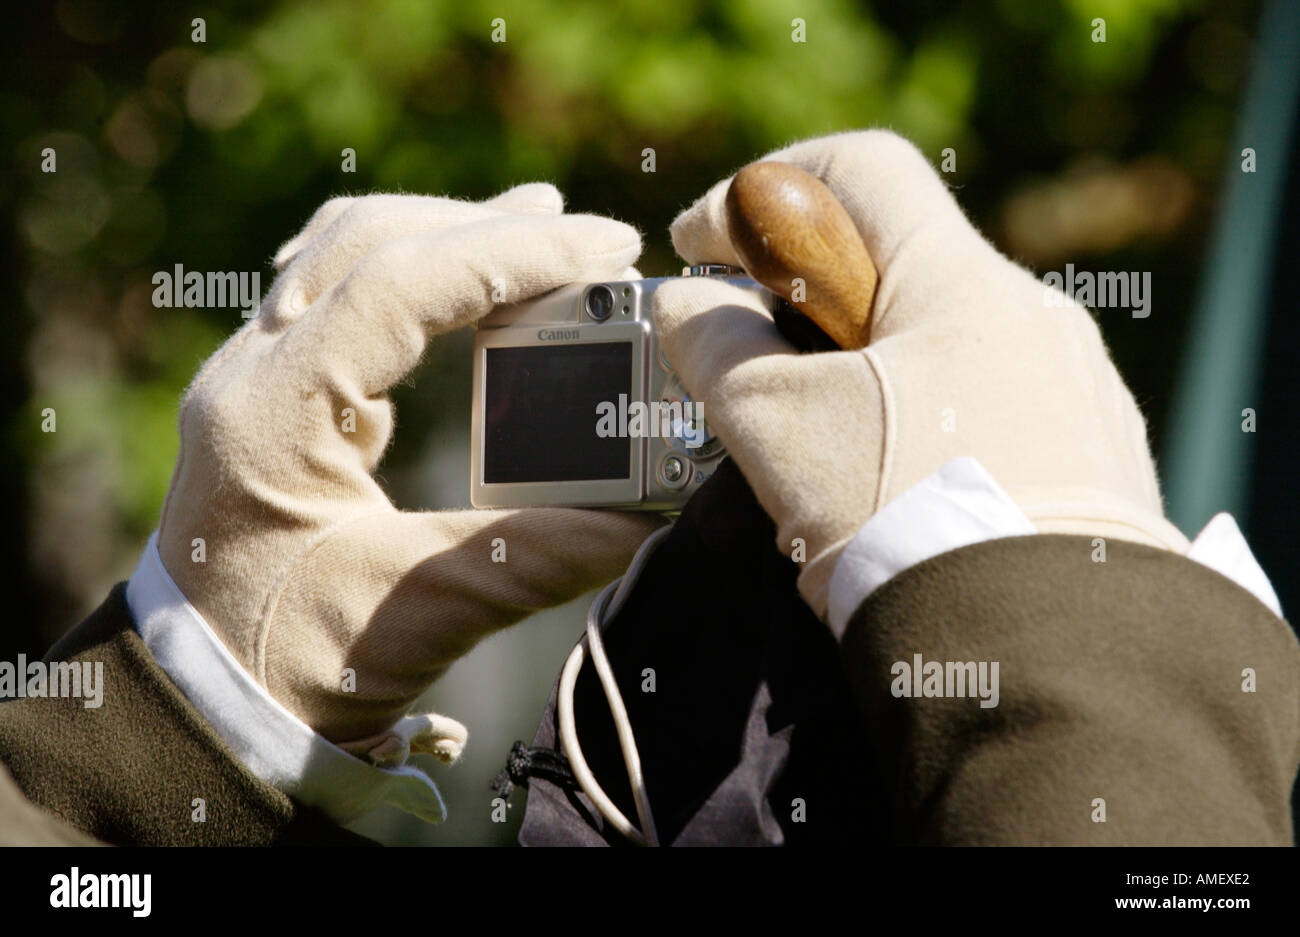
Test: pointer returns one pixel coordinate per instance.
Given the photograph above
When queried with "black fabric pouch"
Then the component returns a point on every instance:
(751, 735)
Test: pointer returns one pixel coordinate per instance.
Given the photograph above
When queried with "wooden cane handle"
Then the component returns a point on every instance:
(794, 237)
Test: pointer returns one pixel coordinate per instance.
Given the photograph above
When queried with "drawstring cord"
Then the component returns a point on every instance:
(574, 771)
(524, 763)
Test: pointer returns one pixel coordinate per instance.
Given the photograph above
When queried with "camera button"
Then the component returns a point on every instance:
(675, 471)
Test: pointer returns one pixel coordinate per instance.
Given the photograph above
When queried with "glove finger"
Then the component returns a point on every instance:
(881, 179)
(708, 328)
(907, 217)
(321, 219)
(798, 425)
(700, 234)
(365, 224)
(371, 327)
(531, 198)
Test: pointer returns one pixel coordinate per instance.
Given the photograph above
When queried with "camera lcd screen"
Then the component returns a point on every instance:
(540, 412)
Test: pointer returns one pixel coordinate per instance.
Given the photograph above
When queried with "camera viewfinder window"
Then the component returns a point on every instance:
(540, 413)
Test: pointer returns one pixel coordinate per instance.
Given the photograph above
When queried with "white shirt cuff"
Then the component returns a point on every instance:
(272, 742)
(1221, 547)
(961, 504)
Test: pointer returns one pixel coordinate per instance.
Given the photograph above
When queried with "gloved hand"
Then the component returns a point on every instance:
(309, 570)
(966, 359)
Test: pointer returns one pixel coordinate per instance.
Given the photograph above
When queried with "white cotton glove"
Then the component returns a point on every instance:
(309, 571)
(966, 359)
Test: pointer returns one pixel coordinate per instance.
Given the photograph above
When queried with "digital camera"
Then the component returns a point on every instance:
(575, 404)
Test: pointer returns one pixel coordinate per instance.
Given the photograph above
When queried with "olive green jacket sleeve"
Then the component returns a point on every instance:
(141, 769)
(22, 823)
(1145, 699)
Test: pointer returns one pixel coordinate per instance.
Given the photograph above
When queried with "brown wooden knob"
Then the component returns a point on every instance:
(790, 231)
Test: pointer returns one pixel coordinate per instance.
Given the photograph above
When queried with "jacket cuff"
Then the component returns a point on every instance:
(956, 506)
(269, 740)
(1028, 690)
(960, 505)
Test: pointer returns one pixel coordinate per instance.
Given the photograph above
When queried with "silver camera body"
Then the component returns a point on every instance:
(575, 405)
